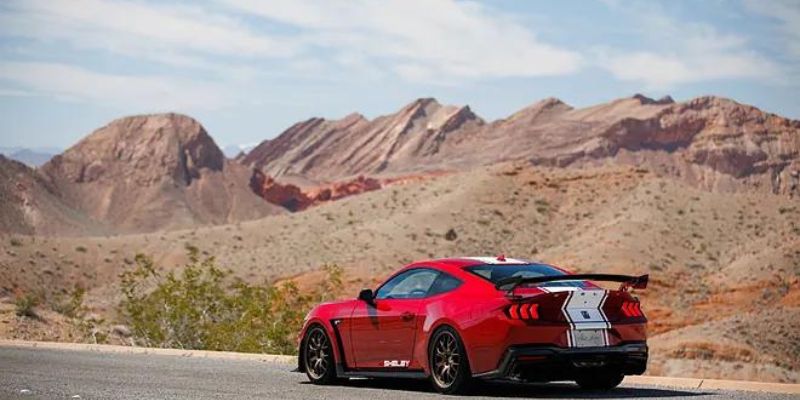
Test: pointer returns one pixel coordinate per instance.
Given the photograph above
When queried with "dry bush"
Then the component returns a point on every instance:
(70, 304)
(203, 307)
(25, 305)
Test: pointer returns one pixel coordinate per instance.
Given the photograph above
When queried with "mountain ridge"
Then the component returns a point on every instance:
(719, 143)
(153, 172)
(335, 149)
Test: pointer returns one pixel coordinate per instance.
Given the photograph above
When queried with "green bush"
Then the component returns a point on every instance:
(25, 305)
(70, 305)
(201, 306)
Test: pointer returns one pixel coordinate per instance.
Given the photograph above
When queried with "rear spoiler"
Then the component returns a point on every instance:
(636, 282)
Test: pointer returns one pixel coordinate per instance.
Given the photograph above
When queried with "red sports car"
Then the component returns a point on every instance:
(457, 319)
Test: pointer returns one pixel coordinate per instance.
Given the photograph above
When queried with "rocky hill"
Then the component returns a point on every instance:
(31, 204)
(329, 150)
(30, 157)
(152, 172)
(710, 142)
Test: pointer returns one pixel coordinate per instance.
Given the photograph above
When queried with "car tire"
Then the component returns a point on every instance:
(448, 363)
(317, 356)
(599, 380)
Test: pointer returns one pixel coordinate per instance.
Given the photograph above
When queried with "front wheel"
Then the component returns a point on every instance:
(447, 360)
(599, 381)
(318, 357)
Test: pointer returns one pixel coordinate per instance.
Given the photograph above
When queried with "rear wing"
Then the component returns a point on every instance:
(636, 282)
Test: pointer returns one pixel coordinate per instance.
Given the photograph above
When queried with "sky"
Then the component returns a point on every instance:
(248, 69)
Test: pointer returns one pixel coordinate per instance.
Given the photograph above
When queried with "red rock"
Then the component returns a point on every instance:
(293, 198)
(288, 196)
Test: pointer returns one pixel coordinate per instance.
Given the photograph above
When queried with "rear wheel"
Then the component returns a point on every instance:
(448, 362)
(599, 380)
(318, 357)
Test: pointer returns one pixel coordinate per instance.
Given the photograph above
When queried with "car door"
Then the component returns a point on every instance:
(383, 332)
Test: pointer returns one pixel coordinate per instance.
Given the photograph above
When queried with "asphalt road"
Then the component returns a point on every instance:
(62, 374)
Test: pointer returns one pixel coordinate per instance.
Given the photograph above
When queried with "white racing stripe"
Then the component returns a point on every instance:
(494, 260)
(583, 309)
(570, 339)
(555, 289)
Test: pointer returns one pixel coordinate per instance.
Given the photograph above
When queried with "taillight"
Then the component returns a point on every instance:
(524, 311)
(632, 309)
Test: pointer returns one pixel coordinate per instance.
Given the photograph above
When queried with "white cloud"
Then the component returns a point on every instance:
(175, 35)
(787, 13)
(429, 40)
(245, 43)
(681, 52)
(659, 71)
(422, 40)
(4, 92)
(127, 92)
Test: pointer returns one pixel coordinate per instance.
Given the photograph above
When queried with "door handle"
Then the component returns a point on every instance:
(407, 316)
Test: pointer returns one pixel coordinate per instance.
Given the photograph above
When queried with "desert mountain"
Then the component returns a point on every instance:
(31, 204)
(30, 157)
(713, 143)
(152, 172)
(335, 149)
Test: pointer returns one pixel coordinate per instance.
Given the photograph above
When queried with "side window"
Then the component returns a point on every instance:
(444, 283)
(412, 284)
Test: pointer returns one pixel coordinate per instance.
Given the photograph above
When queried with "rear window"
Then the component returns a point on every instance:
(496, 272)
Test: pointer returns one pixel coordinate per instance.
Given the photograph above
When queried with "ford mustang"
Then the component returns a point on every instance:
(459, 319)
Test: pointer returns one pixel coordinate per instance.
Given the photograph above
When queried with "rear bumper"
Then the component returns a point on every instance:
(545, 363)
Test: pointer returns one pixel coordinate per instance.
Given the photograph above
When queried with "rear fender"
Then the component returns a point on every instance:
(438, 314)
(422, 347)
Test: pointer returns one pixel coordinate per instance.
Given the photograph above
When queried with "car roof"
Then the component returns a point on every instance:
(459, 263)
(456, 265)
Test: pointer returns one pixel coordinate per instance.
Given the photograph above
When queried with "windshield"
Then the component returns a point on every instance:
(496, 272)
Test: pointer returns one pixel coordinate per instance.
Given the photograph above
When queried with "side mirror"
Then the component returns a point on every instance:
(366, 295)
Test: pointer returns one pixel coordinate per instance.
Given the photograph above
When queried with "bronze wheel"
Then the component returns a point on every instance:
(448, 362)
(318, 356)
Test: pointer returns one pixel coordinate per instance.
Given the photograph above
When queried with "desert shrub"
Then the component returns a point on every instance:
(15, 242)
(202, 306)
(542, 206)
(25, 305)
(70, 305)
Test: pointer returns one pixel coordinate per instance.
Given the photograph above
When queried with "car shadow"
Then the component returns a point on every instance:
(520, 390)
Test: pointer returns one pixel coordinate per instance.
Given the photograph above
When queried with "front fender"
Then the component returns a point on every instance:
(323, 315)
(325, 324)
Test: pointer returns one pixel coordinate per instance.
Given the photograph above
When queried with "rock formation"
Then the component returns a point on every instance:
(711, 142)
(151, 172)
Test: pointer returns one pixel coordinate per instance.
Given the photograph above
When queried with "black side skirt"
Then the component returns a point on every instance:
(343, 372)
(356, 373)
